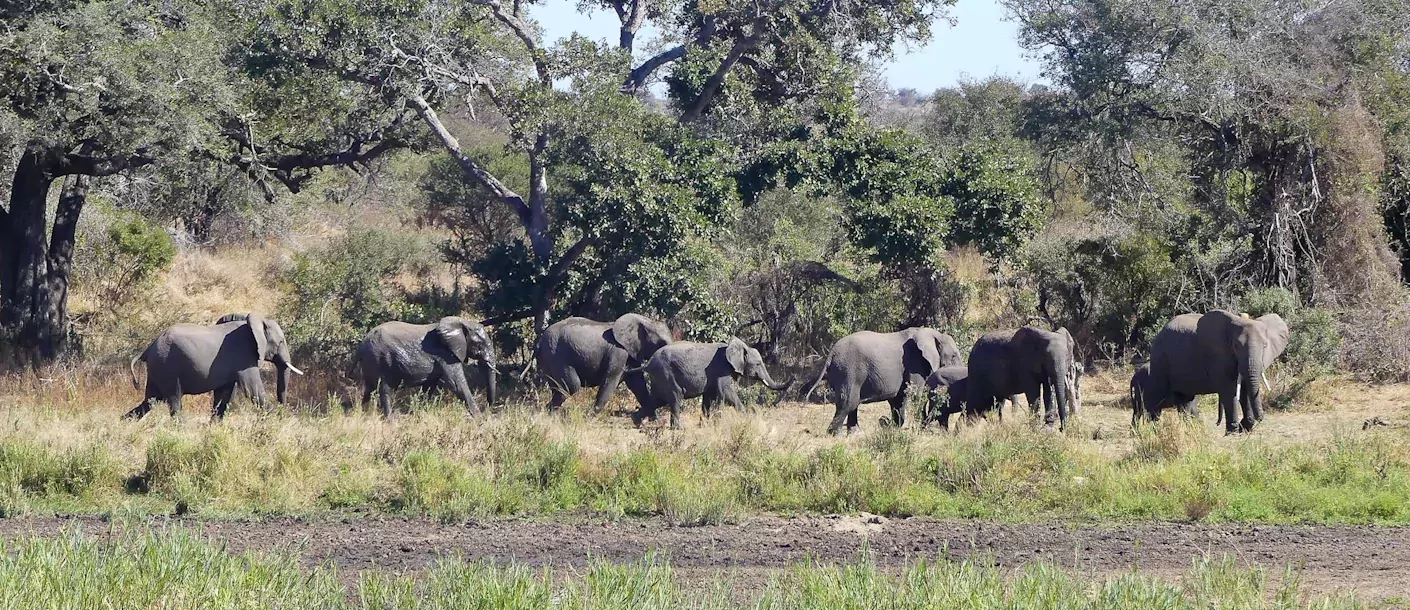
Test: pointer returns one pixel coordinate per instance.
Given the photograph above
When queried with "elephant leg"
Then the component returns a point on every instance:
(143, 407)
(675, 405)
(846, 413)
(174, 402)
(368, 387)
(730, 394)
(253, 384)
(384, 398)
(898, 409)
(1228, 405)
(220, 401)
(709, 403)
(636, 383)
(454, 377)
(607, 389)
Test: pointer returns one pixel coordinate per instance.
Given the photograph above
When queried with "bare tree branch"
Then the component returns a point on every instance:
(717, 80)
(524, 33)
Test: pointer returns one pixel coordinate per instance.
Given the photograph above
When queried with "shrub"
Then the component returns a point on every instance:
(340, 291)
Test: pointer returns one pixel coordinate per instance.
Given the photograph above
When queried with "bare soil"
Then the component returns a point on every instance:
(1372, 562)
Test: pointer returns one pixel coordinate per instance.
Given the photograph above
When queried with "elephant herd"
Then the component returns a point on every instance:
(1214, 353)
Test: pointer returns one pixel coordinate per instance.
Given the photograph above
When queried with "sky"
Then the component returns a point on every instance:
(981, 44)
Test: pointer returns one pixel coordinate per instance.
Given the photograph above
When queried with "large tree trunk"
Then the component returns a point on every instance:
(34, 275)
(24, 268)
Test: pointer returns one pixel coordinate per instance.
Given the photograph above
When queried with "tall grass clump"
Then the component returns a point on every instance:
(176, 571)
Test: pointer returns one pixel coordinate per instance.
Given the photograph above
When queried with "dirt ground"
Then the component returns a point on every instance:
(1371, 562)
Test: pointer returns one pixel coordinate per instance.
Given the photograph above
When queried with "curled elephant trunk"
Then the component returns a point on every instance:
(771, 384)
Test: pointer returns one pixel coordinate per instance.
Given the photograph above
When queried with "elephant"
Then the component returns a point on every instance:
(188, 359)
(1139, 389)
(398, 354)
(685, 370)
(1215, 353)
(1029, 361)
(1074, 377)
(955, 380)
(577, 352)
(867, 366)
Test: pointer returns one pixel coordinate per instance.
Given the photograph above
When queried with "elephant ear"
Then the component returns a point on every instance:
(627, 331)
(1277, 331)
(451, 330)
(734, 354)
(927, 348)
(255, 322)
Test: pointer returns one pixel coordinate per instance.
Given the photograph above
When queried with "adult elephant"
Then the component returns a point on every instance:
(578, 353)
(188, 359)
(1215, 353)
(685, 370)
(866, 367)
(1029, 361)
(398, 354)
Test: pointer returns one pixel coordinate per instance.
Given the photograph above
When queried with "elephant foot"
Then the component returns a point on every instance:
(1247, 425)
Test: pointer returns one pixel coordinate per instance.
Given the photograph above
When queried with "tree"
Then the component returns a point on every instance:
(93, 90)
(96, 89)
(432, 56)
(1228, 122)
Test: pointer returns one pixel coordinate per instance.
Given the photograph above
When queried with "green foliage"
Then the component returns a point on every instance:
(996, 201)
(118, 264)
(1118, 287)
(1314, 343)
(338, 292)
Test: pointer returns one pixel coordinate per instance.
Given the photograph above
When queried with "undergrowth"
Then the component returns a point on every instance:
(438, 463)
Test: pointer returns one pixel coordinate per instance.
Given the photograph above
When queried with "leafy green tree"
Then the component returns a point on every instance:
(611, 184)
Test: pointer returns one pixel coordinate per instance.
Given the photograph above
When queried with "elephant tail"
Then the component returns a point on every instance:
(132, 368)
(822, 373)
(633, 371)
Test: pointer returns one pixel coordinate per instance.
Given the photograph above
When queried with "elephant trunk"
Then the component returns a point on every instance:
(770, 383)
(1251, 391)
(1061, 388)
(283, 367)
(487, 367)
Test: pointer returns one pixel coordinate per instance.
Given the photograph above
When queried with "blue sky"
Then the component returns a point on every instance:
(981, 44)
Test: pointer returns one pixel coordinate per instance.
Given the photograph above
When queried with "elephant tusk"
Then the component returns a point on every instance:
(294, 369)
(1266, 385)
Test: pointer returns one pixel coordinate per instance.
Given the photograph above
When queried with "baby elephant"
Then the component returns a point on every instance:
(685, 370)
(956, 381)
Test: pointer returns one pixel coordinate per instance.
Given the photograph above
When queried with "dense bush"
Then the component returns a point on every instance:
(338, 292)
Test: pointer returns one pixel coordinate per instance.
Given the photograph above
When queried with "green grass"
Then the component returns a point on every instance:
(444, 465)
(178, 569)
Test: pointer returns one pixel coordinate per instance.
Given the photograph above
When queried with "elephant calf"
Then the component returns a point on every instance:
(191, 359)
(398, 354)
(955, 380)
(685, 370)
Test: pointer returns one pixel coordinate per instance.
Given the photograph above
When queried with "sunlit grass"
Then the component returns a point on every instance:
(437, 462)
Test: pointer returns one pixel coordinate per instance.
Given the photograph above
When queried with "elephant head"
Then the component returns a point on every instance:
(639, 335)
(1043, 356)
(1250, 346)
(748, 362)
(468, 341)
(928, 350)
(270, 345)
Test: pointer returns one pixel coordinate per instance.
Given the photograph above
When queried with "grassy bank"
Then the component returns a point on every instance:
(439, 463)
(178, 570)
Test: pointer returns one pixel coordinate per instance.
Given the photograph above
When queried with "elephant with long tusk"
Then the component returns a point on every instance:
(189, 359)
